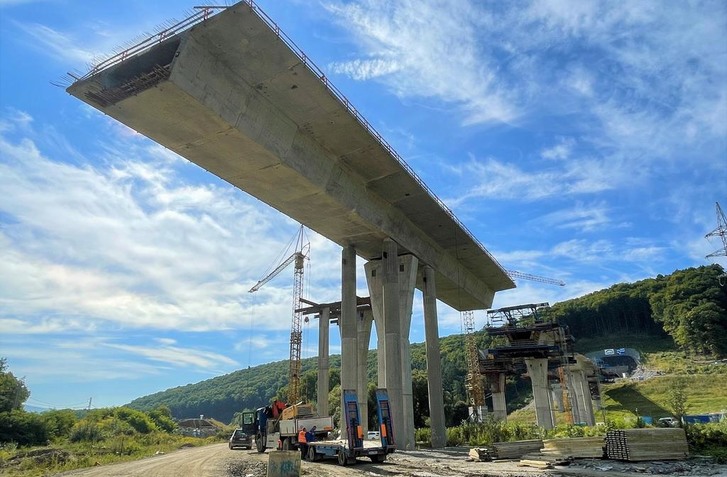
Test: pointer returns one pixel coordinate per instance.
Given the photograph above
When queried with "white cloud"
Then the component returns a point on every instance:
(501, 180)
(58, 45)
(128, 242)
(365, 69)
(581, 217)
(636, 82)
(562, 150)
(420, 52)
(177, 356)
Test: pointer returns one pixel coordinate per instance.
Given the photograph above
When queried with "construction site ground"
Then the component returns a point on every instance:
(218, 461)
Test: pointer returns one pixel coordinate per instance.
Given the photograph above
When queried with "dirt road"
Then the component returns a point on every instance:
(218, 461)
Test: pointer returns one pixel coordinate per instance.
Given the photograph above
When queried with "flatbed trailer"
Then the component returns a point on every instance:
(346, 451)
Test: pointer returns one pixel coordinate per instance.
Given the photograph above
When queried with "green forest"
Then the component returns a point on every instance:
(686, 311)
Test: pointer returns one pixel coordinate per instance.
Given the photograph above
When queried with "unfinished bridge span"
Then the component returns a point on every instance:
(234, 95)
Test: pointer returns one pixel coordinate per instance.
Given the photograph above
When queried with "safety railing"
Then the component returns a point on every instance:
(203, 14)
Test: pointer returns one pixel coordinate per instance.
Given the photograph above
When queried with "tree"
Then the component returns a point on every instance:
(162, 417)
(420, 395)
(676, 399)
(23, 428)
(13, 392)
(59, 422)
(692, 306)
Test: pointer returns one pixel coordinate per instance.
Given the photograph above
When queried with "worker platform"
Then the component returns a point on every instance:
(234, 95)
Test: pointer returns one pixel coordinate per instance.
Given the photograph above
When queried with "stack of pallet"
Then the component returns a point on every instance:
(647, 444)
(506, 450)
(575, 447)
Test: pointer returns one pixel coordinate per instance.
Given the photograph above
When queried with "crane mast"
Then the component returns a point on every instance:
(473, 382)
(296, 336)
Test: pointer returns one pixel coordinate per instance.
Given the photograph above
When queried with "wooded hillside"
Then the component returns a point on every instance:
(690, 306)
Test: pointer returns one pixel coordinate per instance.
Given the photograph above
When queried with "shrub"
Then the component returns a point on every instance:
(489, 431)
(709, 439)
(86, 431)
(140, 421)
(59, 422)
(23, 428)
(423, 436)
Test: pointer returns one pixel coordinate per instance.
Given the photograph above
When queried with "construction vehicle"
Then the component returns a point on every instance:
(243, 435)
(347, 450)
(279, 430)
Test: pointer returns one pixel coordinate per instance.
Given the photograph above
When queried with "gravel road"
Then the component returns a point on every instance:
(218, 461)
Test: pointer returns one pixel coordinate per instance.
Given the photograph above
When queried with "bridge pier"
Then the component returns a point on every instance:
(323, 362)
(538, 372)
(499, 404)
(364, 322)
(347, 323)
(434, 361)
(391, 283)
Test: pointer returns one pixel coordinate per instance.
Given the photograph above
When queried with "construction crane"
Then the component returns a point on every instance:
(515, 275)
(473, 382)
(721, 232)
(302, 248)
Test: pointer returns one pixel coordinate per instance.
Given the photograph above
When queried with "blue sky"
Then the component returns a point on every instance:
(579, 140)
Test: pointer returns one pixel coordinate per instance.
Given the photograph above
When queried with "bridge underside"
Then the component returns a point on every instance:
(232, 97)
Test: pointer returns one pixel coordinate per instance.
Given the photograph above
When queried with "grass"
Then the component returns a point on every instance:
(64, 456)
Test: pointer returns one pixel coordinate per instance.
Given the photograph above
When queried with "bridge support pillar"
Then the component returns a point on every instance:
(364, 323)
(583, 397)
(538, 372)
(348, 321)
(323, 364)
(389, 280)
(499, 405)
(434, 361)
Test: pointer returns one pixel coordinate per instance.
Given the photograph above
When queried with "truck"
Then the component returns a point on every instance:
(347, 450)
(281, 431)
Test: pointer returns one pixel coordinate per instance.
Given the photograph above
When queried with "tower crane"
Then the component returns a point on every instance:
(515, 275)
(473, 382)
(302, 248)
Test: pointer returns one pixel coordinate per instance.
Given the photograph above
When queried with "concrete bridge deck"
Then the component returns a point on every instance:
(231, 95)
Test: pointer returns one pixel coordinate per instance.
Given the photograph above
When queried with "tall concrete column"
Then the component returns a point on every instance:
(538, 372)
(391, 284)
(583, 397)
(434, 361)
(392, 338)
(374, 274)
(323, 365)
(348, 321)
(499, 404)
(365, 320)
(408, 266)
